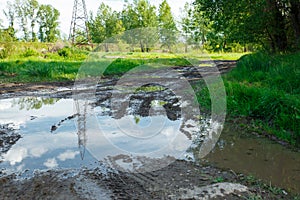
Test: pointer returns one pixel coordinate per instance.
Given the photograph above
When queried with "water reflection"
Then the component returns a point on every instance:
(39, 148)
(30, 103)
(260, 157)
(52, 130)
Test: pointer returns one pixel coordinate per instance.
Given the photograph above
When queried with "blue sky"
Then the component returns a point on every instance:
(66, 6)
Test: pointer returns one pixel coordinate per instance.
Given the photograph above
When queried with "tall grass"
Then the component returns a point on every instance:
(267, 88)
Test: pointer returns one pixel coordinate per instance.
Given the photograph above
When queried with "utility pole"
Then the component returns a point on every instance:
(81, 126)
(79, 32)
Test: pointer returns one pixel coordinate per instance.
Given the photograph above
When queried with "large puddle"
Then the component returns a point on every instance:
(53, 136)
(259, 157)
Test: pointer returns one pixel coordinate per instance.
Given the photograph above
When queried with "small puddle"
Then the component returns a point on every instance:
(257, 156)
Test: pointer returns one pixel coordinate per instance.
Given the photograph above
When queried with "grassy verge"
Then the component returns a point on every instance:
(266, 89)
(263, 87)
(36, 62)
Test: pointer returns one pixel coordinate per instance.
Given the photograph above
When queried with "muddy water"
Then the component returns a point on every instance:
(50, 140)
(260, 157)
(39, 146)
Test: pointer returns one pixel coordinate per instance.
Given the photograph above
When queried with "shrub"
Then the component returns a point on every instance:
(64, 52)
(7, 50)
(29, 52)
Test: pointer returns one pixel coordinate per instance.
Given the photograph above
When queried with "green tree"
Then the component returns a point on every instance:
(141, 16)
(31, 12)
(105, 25)
(186, 25)
(274, 24)
(26, 11)
(10, 16)
(48, 23)
(21, 13)
(167, 26)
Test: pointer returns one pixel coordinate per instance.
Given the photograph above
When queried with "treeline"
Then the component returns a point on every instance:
(274, 24)
(219, 25)
(36, 22)
(135, 16)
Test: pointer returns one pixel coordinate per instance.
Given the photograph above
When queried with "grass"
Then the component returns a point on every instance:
(263, 87)
(35, 62)
(266, 89)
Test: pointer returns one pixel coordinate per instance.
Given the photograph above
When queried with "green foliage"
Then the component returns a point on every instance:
(195, 28)
(267, 88)
(64, 52)
(140, 15)
(280, 72)
(42, 71)
(30, 103)
(30, 52)
(105, 25)
(48, 21)
(168, 30)
(275, 24)
(29, 13)
(8, 49)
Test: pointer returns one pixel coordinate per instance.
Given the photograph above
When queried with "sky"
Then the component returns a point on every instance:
(66, 6)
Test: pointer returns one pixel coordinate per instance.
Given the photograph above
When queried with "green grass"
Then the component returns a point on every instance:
(268, 88)
(37, 62)
(263, 87)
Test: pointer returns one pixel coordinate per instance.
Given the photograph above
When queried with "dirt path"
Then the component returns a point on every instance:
(180, 180)
(191, 73)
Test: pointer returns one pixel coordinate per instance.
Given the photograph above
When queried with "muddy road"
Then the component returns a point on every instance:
(50, 149)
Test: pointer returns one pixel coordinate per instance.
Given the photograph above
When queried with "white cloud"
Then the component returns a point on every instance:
(16, 155)
(51, 163)
(38, 151)
(67, 155)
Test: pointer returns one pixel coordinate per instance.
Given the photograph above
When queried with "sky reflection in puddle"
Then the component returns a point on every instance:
(39, 148)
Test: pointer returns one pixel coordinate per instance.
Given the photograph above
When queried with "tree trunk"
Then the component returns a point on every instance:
(295, 15)
(106, 47)
(277, 23)
(142, 46)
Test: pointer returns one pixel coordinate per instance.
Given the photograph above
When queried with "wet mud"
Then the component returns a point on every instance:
(180, 179)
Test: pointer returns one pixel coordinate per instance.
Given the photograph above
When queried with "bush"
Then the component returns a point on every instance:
(30, 52)
(6, 51)
(64, 52)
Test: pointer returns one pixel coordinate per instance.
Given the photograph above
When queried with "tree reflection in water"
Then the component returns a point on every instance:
(30, 103)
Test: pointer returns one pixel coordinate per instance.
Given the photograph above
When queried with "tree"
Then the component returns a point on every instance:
(295, 19)
(10, 15)
(266, 22)
(48, 23)
(141, 16)
(31, 12)
(26, 10)
(105, 25)
(21, 13)
(167, 26)
(186, 25)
